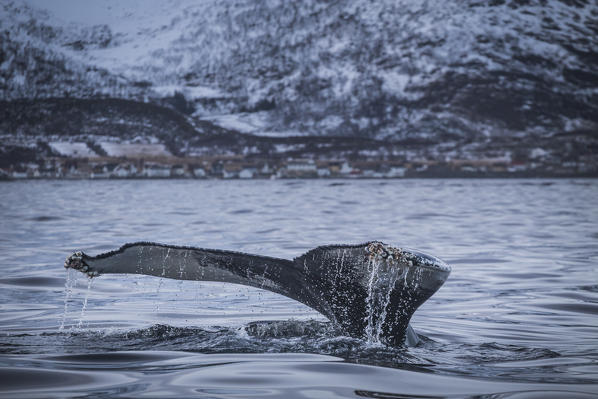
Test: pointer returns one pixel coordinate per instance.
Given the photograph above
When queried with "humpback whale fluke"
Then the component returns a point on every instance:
(369, 290)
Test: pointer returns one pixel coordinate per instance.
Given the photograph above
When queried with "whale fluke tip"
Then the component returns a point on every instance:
(77, 261)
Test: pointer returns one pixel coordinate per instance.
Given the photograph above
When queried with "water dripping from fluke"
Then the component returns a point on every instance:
(69, 284)
(84, 307)
(158, 289)
(372, 295)
(373, 266)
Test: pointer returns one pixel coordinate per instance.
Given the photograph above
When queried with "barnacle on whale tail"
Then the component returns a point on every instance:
(77, 261)
(378, 251)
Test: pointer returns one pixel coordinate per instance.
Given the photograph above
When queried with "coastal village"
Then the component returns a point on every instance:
(77, 160)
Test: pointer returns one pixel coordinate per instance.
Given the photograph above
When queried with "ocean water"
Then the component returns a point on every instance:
(517, 318)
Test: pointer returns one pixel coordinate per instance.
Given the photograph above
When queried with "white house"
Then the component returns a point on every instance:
(247, 173)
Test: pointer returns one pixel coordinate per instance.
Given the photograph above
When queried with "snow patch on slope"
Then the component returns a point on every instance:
(134, 149)
(190, 92)
(256, 123)
(72, 150)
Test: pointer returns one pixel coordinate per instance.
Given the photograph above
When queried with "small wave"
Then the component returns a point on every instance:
(290, 328)
(240, 211)
(590, 288)
(291, 336)
(44, 218)
(34, 281)
(295, 336)
(112, 358)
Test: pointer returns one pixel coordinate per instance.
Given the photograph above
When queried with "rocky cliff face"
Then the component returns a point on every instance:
(448, 71)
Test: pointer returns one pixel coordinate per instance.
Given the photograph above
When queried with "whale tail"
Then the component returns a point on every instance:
(369, 290)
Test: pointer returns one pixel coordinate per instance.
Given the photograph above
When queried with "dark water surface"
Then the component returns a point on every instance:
(518, 317)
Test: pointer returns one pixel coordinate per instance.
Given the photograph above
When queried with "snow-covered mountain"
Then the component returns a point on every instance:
(446, 71)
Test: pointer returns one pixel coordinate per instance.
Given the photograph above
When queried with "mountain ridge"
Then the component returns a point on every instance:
(457, 74)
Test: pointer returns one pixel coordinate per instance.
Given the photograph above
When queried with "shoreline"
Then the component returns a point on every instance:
(419, 177)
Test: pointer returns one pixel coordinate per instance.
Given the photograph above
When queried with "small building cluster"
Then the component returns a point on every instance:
(237, 167)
